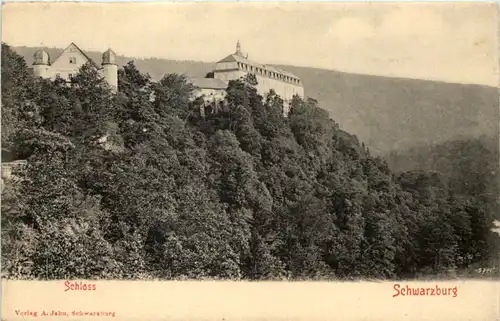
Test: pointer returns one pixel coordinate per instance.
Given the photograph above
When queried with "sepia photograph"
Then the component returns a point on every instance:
(250, 142)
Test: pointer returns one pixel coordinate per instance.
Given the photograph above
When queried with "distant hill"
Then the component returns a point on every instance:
(386, 113)
(470, 166)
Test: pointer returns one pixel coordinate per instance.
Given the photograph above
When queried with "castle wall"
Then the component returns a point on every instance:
(224, 66)
(228, 74)
(286, 90)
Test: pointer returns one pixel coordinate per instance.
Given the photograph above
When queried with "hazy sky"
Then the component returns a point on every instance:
(454, 42)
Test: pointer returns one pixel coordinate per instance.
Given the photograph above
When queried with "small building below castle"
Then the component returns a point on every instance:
(68, 64)
(210, 89)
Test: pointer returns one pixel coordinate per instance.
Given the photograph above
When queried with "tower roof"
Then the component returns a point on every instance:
(109, 57)
(238, 49)
(41, 57)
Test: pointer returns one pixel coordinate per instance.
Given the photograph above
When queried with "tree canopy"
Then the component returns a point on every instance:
(138, 185)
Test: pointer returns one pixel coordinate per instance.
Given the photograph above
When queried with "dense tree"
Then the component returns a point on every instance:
(138, 185)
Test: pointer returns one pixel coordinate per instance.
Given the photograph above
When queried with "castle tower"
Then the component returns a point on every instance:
(238, 49)
(110, 68)
(41, 63)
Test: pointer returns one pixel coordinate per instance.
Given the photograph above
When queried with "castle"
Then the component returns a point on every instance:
(69, 62)
(237, 66)
(212, 90)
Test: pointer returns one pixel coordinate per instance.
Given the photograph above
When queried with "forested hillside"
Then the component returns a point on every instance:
(471, 166)
(128, 187)
(386, 113)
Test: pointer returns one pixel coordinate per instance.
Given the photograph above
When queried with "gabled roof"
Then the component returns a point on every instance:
(81, 51)
(208, 83)
(237, 58)
(232, 58)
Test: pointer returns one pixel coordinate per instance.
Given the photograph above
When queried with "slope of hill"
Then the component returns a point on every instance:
(385, 113)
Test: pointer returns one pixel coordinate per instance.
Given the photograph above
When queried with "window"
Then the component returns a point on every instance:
(58, 75)
(70, 76)
(72, 60)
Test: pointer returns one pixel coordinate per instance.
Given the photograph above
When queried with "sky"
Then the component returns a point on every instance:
(452, 42)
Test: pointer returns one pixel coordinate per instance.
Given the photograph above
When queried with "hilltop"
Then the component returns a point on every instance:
(386, 113)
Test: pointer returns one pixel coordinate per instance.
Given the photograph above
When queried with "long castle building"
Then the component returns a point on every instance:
(68, 63)
(237, 66)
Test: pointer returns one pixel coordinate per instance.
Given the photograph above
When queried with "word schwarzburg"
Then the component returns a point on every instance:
(424, 291)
